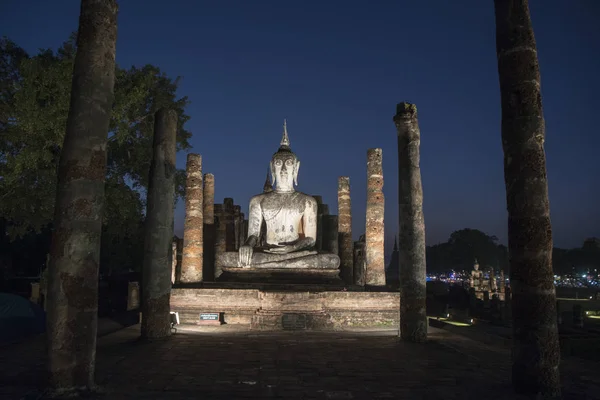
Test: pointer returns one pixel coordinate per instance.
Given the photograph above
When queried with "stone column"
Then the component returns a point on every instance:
(208, 206)
(374, 231)
(158, 239)
(413, 295)
(330, 234)
(345, 244)
(193, 235)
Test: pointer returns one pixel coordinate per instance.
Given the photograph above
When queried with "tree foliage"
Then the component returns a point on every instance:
(461, 250)
(34, 103)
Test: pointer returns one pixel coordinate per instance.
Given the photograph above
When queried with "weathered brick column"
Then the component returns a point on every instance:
(330, 234)
(228, 212)
(374, 231)
(158, 239)
(237, 213)
(345, 243)
(220, 235)
(193, 235)
(319, 238)
(208, 206)
(359, 261)
(413, 317)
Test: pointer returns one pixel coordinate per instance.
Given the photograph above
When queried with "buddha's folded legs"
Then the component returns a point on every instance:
(298, 260)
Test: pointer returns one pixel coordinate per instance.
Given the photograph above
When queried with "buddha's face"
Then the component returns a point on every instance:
(284, 171)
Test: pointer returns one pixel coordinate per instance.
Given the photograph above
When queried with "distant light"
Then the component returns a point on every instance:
(471, 320)
(447, 315)
(584, 276)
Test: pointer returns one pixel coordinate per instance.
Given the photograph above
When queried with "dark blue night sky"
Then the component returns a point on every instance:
(336, 69)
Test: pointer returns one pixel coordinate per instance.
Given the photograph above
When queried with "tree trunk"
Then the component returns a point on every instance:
(73, 272)
(413, 295)
(536, 353)
(158, 251)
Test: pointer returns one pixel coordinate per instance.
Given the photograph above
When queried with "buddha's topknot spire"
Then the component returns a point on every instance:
(285, 140)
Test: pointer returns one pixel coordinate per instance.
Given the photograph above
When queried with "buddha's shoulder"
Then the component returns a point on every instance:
(305, 197)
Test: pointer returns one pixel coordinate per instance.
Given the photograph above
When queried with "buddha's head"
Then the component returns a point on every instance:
(284, 166)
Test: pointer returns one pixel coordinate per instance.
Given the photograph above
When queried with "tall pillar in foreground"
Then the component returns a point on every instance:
(72, 288)
(158, 239)
(374, 231)
(345, 243)
(536, 346)
(193, 235)
(208, 207)
(413, 295)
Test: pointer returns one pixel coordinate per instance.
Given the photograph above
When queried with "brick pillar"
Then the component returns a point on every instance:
(237, 212)
(319, 238)
(208, 206)
(242, 232)
(330, 234)
(345, 244)
(228, 215)
(245, 231)
(413, 295)
(192, 261)
(374, 232)
(359, 261)
(220, 235)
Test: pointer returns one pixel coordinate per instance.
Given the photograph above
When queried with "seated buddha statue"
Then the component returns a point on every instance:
(289, 219)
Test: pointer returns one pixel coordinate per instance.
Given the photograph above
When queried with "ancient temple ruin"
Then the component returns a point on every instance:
(290, 258)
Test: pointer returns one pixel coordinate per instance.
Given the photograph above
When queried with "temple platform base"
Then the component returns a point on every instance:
(297, 308)
(274, 275)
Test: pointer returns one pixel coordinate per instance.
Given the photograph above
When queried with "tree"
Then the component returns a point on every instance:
(536, 353)
(470, 244)
(34, 101)
(75, 253)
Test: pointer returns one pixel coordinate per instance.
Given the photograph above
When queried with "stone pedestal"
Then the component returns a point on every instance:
(374, 232)
(193, 235)
(301, 267)
(345, 243)
(268, 309)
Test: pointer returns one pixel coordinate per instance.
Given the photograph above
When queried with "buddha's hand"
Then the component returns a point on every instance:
(245, 254)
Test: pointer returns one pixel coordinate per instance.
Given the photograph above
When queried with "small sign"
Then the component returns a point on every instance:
(210, 319)
(293, 322)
